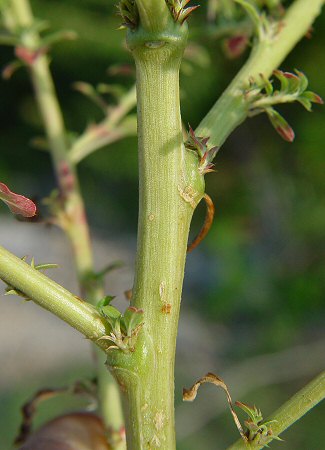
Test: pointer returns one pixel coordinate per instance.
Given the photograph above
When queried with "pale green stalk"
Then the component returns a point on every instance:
(170, 188)
(72, 217)
(291, 411)
(231, 109)
(49, 295)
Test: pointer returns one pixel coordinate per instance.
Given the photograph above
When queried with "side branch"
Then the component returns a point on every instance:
(51, 296)
(291, 411)
(231, 109)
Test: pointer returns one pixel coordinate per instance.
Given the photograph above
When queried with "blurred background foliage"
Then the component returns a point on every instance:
(259, 276)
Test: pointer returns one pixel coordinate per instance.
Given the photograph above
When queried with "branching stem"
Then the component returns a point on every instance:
(18, 15)
(231, 109)
(291, 411)
(49, 295)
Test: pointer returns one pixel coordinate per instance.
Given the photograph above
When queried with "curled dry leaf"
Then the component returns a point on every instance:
(207, 224)
(190, 394)
(77, 431)
(18, 204)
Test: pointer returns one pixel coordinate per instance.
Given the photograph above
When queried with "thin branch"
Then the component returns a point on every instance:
(51, 296)
(298, 362)
(110, 130)
(295, 408)
(231, 109)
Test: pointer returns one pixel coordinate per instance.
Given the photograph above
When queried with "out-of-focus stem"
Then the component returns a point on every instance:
(72, 217)
(106, 132)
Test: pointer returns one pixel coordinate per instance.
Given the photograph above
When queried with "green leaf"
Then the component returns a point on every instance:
(254, 413)
(46, 266)
(132, 318)
(283, 80)
(311, 96)
(294, 83)
(105, 301)
(280, 125)
(267, 85)
(303, 80)
(305, 103)
(111, 311)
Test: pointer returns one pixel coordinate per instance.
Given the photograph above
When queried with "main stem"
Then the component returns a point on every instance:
(170, 188)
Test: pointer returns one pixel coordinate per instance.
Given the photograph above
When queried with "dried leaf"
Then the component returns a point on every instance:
(190, 394)
(207, 223)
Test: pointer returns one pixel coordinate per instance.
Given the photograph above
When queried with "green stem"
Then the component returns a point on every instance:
(72, 217)
(49, 295)
(170, 188)
(154, 14)
(231, 108)
(291, 411)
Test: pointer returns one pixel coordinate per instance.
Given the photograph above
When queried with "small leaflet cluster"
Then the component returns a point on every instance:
(125, 327)
(10, 290)
(261, 97)
(128, 10)
(258, 432)
(179, 10)
(206, 154)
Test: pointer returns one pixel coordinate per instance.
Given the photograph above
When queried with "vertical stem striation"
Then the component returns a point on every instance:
(170, 188)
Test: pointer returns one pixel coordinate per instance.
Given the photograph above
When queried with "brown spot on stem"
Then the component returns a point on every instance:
(128, 294)
(167, 308)
(189, 195)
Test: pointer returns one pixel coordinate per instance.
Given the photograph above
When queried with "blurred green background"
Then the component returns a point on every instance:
(257, 281)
